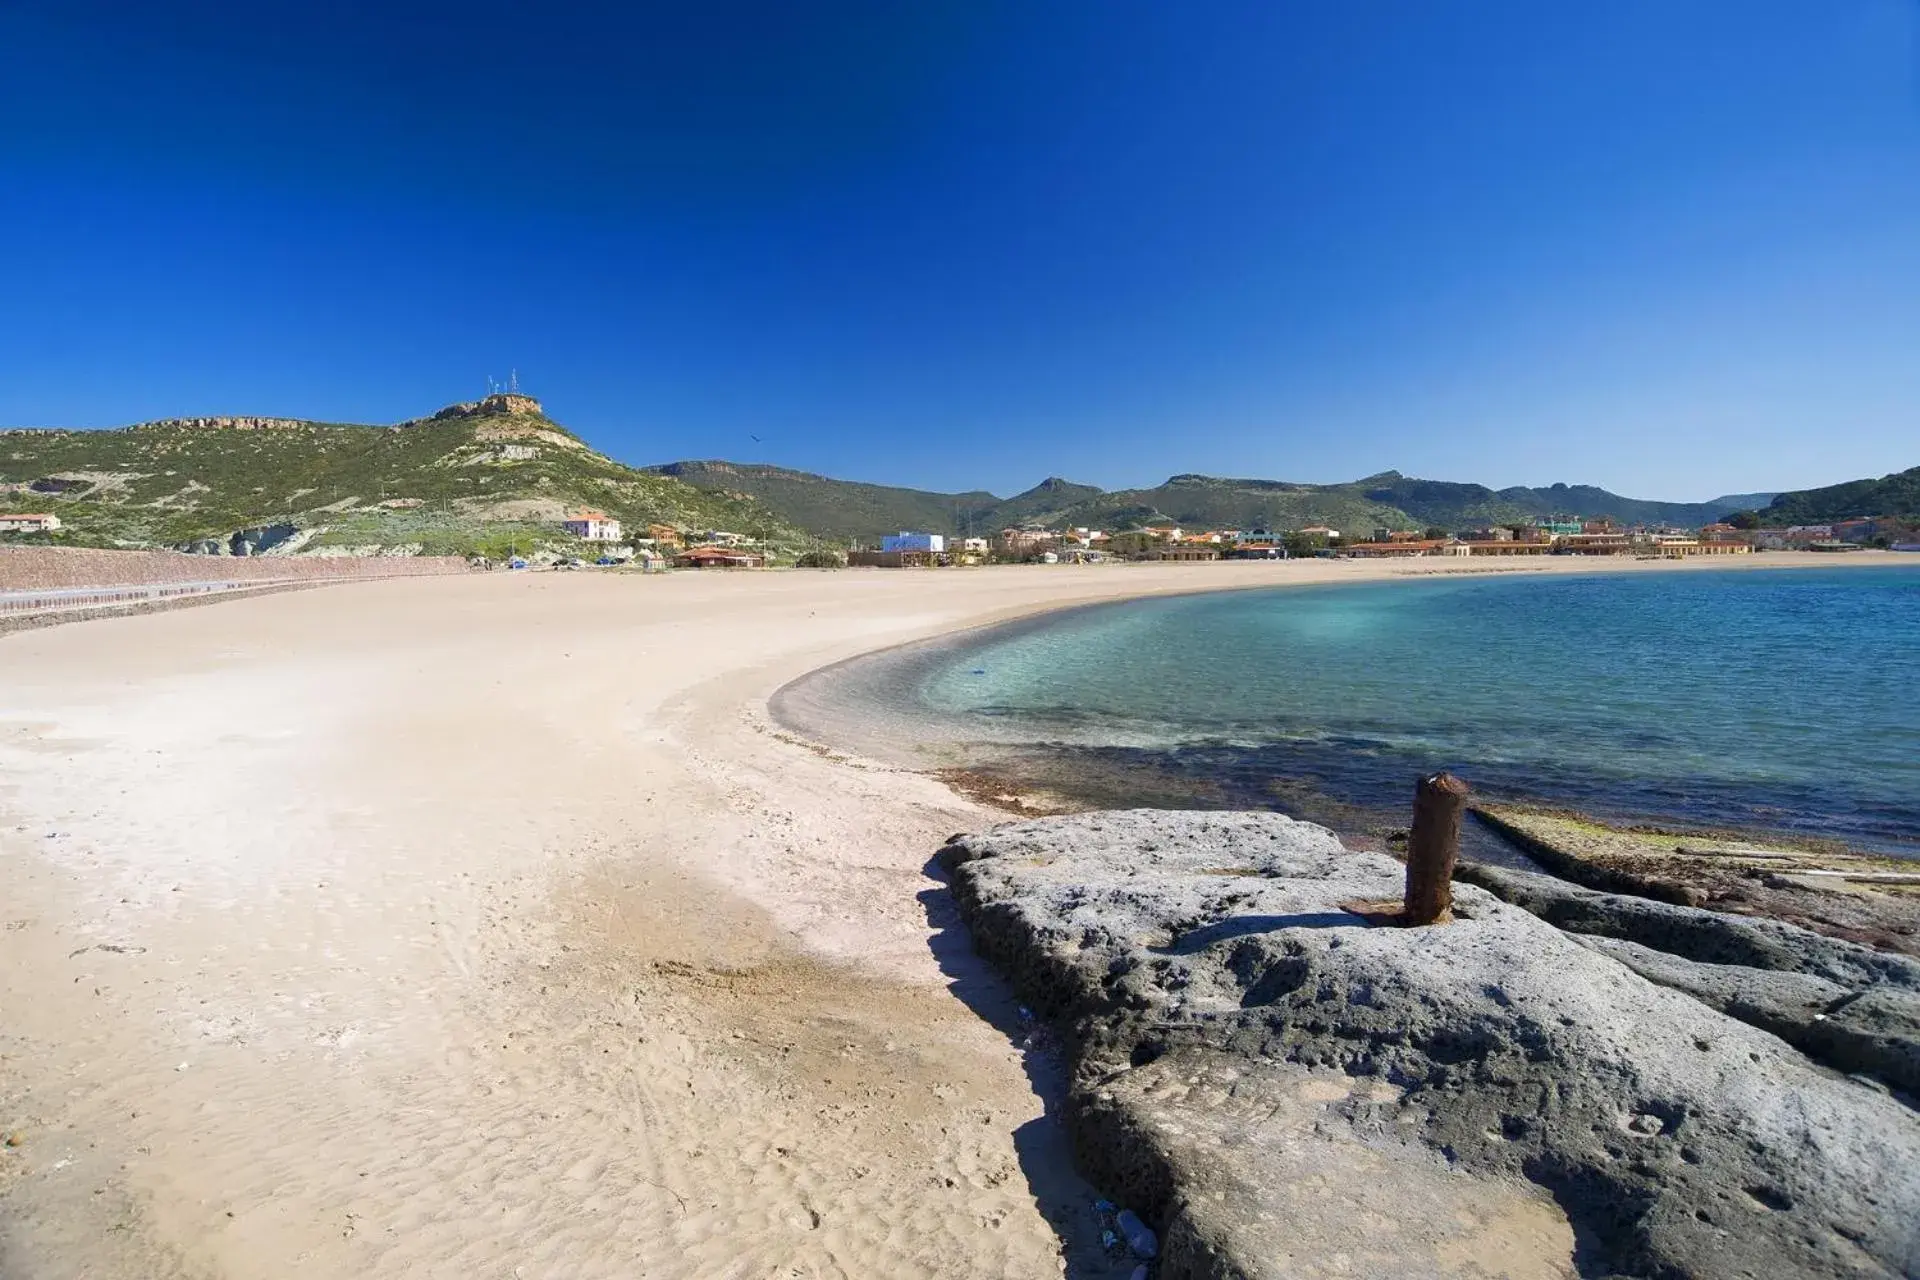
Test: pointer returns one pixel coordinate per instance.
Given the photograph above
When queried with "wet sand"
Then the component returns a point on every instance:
(489, 926)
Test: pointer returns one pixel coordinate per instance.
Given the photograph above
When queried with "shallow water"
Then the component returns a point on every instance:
(1785, 702)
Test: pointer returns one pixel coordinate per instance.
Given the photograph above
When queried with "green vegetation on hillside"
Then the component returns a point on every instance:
(842, 510)
(1051, 502)
(495, 475)
(1207, 501)
(1450, 504)
(1891, 495)
(1390, 500)
(451, 484)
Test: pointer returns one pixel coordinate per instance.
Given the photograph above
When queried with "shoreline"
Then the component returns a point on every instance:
(867, 705)
(500, 907)
(1363, 573)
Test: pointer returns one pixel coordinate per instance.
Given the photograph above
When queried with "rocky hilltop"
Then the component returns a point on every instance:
(1285, 1090)
(489, 477)
(223, 424)
(505, 404)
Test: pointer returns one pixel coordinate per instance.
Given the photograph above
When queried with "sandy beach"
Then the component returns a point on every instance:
(488, 926)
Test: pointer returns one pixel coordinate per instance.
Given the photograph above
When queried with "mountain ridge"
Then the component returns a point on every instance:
(480, 475)
(1894, 494)
(1385, 499)
(831, 508)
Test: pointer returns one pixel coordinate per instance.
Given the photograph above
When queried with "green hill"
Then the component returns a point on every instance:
(1050, 502)
(498, 473)
(846, 509)
(1391, 500)
(1891, 495)
(1209, 501)
(843, 510)
(1450, 504)
(475, 477)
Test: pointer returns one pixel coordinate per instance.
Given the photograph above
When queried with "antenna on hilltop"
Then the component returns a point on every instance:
(513, 382)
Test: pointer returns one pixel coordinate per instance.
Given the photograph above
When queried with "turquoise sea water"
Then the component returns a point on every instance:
(1780, 701)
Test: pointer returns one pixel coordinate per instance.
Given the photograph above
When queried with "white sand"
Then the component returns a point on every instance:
(486, 927)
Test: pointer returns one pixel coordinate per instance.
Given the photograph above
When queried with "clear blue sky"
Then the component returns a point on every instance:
(1667, 246)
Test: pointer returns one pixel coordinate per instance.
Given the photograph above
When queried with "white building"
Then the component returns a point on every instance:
(906, 541)
(38, 522)
(594, 526)
(978, 545)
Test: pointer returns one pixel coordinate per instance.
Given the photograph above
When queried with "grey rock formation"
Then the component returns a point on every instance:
(1848, 1006)
(242, 542)
(1711, 937)
(1284, 1090)
(259, 540)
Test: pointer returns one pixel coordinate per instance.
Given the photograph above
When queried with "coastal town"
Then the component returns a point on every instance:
(1167, 541)
(589, 536)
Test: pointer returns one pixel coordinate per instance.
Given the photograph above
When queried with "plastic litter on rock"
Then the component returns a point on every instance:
(1139, 1235)
(1122, 1233)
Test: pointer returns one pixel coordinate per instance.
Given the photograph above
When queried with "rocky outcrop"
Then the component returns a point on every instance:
(1855, 1009)
(506, 403)
(260, 540)
(293, 544)
(224, 424)
(1286, 1090)
(1857, 897)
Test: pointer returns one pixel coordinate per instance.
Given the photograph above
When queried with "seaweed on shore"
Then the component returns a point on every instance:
(1816, 884)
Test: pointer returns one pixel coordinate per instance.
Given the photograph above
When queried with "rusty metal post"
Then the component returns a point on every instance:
(1433, 846)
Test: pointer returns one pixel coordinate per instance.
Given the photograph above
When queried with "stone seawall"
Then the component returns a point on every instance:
(52, 568)
(1286, 1090)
